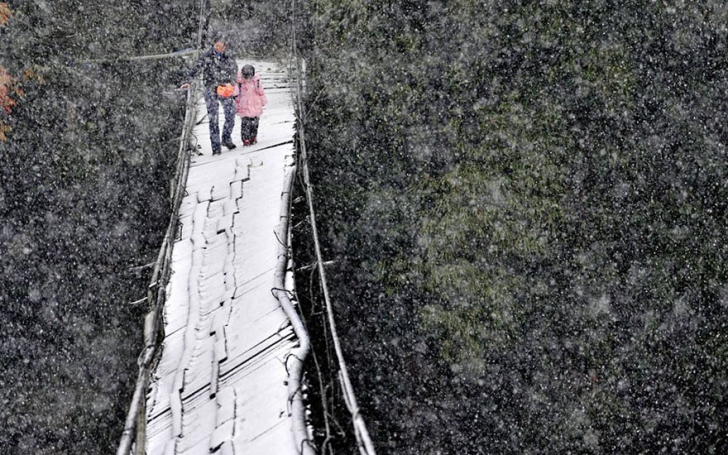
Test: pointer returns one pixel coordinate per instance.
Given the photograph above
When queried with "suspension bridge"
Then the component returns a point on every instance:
(221, 370)
(221, 379)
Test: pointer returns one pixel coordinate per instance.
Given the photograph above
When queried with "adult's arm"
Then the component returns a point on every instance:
(194, 71)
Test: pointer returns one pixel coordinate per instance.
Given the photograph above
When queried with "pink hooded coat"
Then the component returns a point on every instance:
(250, 96)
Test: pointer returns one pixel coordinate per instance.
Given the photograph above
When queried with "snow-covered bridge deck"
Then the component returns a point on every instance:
(220, 384)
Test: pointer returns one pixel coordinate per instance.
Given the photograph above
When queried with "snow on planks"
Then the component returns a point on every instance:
(220, 383)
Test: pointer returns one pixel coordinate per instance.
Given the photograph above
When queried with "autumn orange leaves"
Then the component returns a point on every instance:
(6, 81)
(10, 89)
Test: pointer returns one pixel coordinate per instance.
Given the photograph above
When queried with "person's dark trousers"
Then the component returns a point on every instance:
(228, 108)
(249, 128)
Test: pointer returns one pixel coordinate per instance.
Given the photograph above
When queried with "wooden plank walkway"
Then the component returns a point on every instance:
(220, 384)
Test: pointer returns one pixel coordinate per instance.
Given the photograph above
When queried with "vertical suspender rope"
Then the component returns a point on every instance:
(360, 430)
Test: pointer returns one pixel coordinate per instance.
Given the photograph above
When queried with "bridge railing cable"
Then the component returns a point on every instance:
(364, 441)
(134, 433)
(295, 360)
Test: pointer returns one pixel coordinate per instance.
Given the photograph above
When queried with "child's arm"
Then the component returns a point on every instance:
(261, 93)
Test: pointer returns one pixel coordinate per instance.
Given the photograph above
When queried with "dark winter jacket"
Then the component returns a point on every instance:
(217, 69)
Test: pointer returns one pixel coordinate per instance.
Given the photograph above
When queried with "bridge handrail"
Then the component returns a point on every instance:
(135, 423)
(295, 360)
(364, 442)
(153, 322)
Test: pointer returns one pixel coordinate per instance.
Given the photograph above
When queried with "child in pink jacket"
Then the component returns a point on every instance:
(249, 103)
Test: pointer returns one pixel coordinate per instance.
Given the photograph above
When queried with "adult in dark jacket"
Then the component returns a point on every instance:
(218, 69)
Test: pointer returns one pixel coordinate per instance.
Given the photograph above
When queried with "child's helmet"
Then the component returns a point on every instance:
(248, 71)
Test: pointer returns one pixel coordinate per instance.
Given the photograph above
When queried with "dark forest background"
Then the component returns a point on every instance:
(524, 203)
(525, 206)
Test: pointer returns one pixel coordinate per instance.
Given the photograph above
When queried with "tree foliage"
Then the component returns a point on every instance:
(5, 13)
(7, 88)
(526, 205)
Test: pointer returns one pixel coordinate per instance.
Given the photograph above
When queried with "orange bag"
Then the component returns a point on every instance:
(226, 91)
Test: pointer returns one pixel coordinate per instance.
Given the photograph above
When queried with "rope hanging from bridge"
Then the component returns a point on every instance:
(360, 430)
